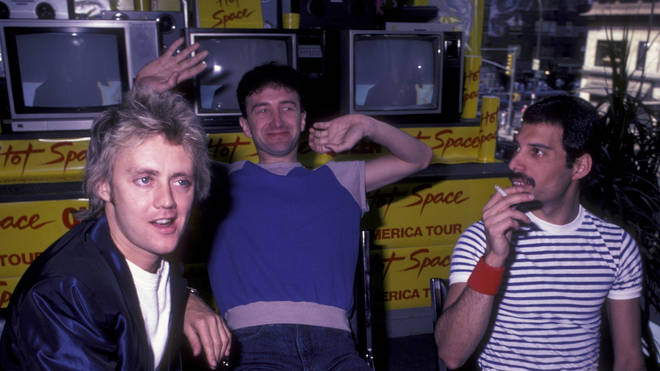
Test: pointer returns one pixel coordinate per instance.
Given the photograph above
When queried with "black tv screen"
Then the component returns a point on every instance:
(396, 73)
(231, 55)
(58, 70)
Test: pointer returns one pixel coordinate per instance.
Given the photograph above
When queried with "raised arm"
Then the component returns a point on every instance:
(469, 306)
(625, 326)
(171, 68)
(408, 155)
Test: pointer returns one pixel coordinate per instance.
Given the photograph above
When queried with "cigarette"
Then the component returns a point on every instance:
(503, 194)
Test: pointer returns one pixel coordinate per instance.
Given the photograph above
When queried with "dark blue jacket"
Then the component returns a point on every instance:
(76, 308)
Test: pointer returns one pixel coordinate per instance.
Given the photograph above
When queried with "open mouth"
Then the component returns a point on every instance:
(164, 222)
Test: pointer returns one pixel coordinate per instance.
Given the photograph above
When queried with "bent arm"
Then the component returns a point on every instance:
(58, 325)
(462, 325)
(407, 154)
(625, 325)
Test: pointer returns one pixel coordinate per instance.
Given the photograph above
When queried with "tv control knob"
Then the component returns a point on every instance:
(4, 11)
(45, 11)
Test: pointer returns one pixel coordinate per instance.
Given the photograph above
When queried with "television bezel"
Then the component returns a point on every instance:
(193, 35)
(66, 118)
(395, 115)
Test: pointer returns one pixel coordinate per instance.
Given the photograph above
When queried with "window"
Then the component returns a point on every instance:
(641, 54)
(606, 48)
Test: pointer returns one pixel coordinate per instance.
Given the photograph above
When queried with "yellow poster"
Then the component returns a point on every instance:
(39, 160)
(406, 273)
(427, 213)
(231, 147)
(7, 286)
(28, 228)
(230, 14)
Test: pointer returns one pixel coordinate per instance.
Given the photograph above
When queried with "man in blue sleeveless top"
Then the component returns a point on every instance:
(284, 258)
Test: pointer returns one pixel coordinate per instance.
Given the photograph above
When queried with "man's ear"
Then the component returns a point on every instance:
(582, 166)
(303, 120)
(103, 191)
(244, 125)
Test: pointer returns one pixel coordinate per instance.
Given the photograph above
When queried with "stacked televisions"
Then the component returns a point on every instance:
(61, 74)
(402, 77)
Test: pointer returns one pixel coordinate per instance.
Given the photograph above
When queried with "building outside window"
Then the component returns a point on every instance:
(641, 54)
(603, 51)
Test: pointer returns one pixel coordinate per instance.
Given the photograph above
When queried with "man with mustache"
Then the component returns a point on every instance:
(526, 288)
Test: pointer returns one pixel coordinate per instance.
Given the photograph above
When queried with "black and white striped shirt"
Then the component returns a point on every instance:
(559, 276)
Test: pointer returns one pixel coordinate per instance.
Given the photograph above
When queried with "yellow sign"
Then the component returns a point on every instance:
(415, 227)
(471, 77)
(490, 108)
(28, 228)
(230, 14)
(231, 147)
(38, 160)
(7, 286)
(407, 271)
(450, 145)
(427, 213)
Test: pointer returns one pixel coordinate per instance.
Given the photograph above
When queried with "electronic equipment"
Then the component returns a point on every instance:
(232, 52)
(409, 77)
(334, 14)
(170, 24)
(41, 9)
(62, 73)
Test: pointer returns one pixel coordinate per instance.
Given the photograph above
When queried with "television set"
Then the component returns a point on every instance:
(233, 52)
(61, 74)
(402, 76)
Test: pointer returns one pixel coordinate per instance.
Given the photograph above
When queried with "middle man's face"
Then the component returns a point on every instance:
(274, 122)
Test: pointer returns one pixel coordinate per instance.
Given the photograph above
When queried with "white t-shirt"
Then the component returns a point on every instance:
(154, 292)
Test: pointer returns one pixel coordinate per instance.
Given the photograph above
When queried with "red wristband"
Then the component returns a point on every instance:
(485, 279)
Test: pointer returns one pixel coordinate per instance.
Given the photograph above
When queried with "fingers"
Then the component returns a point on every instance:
(209, 340)
(500, 217)
(171, 50)
(193, 339)
(186, 52)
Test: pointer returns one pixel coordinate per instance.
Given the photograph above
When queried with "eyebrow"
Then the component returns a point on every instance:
(540, 145)
(153, 172)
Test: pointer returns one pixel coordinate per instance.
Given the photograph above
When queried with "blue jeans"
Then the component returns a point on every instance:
(295, 347)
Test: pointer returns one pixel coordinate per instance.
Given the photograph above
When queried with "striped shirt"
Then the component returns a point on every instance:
(552, 293)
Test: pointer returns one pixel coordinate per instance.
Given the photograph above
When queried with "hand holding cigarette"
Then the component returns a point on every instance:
(504, 194)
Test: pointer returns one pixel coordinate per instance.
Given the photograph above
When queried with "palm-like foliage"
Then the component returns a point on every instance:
(624, 186)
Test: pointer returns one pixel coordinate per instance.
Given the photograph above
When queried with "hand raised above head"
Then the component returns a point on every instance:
(171, 68)
(338, 135)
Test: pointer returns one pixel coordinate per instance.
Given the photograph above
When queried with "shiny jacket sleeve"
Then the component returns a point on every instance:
(63, 326)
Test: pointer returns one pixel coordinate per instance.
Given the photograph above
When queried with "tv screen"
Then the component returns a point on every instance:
(62, 73)
(60, 70)
(401, 76)
(231, 55)
(400, 73)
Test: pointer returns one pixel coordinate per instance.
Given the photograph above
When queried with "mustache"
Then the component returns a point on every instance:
(529, 180)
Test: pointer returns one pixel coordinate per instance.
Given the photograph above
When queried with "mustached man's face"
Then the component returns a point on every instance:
(540, 162)
(148, 200)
